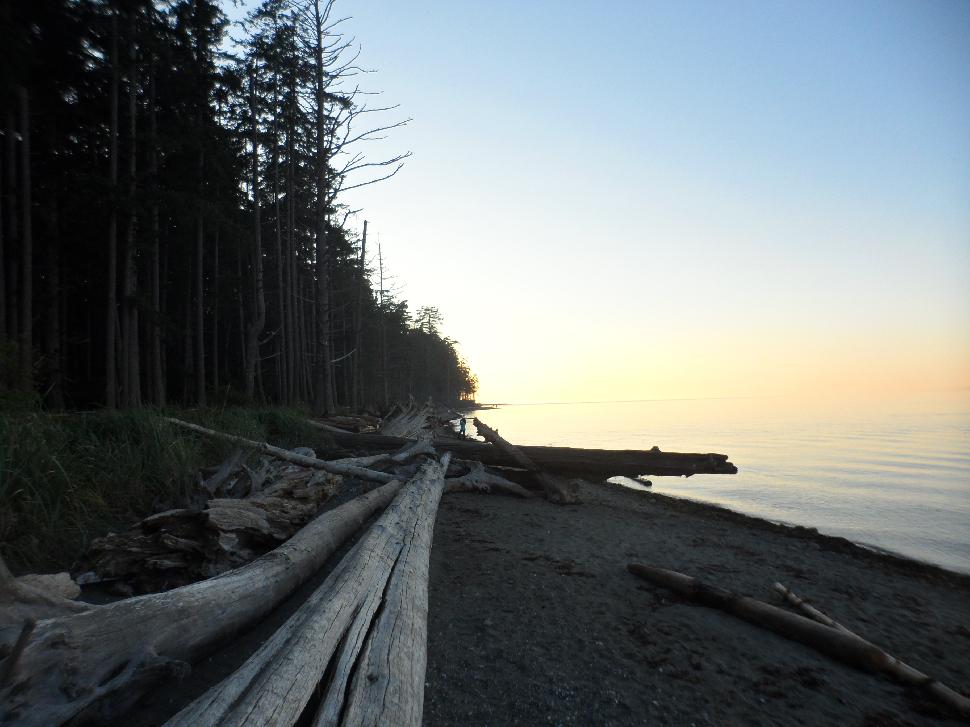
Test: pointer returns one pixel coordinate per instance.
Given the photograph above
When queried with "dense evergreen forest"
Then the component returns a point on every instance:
(171, 224)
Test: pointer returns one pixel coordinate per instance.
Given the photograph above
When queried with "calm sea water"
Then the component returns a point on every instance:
(890, 474)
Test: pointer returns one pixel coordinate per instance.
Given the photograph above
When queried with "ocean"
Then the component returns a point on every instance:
(892, 474)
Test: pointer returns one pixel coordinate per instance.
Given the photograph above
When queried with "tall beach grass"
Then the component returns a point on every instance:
(67, 478)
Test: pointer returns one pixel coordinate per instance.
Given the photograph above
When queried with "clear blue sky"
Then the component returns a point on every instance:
(637, 199)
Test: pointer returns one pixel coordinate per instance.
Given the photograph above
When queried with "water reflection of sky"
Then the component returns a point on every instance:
(892, 474)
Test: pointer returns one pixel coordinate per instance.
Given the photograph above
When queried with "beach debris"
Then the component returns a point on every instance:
(92, 666)
(365, 627)
(897, 669)
(35, 596)
(479, 479)
(292, 457)
(840, 644)
(557, 489)
(411, 422)
(177, 547)
(594, 463)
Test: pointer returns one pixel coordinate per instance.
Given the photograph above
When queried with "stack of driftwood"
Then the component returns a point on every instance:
(354, 653)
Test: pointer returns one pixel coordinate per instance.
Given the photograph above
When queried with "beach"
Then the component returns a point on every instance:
(534, 619)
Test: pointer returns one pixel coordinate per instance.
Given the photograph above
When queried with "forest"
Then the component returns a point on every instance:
(172, 230)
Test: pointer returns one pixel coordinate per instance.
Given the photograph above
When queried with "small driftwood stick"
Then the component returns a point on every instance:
(332, 467)
(894, 667)
(557, 490)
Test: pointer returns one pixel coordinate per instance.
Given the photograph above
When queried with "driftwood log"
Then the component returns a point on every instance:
(479, 479)
(414, 421)
(897, 669)
(557, 489)
(840, 644)
(570, 460)
(355, 652)
(279, 453)
(35, 597)
(94, 665)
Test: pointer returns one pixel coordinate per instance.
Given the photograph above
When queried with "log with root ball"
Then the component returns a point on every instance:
(94, 665)
(557, 489)
(355, 652)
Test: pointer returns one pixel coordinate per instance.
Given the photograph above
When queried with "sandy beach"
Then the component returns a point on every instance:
(534, 620)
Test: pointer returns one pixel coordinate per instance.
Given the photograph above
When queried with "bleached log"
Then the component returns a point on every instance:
(897, 669)
(557, 489)
(408, 451)
(412, 422)
(336, 468)
(93, 665)
(478, 479)
(365, 626)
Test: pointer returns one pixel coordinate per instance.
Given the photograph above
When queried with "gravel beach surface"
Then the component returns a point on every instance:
(534, 618)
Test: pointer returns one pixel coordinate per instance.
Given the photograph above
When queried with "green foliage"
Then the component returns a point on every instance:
(65, 479)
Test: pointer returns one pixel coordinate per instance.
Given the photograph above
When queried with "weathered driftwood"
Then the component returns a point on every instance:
(410, 450)
(35, 596)
(479, 479)
(572, 460)
(842, 645)
(93, 665)
(355, 652)
(177, 547)
(414, 421)
(335, 468)
(897, 669)
(557, 489)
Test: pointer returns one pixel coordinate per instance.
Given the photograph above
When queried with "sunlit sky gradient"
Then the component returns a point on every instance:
(622, 200)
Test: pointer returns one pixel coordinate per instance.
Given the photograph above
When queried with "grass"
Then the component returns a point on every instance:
(68, 478)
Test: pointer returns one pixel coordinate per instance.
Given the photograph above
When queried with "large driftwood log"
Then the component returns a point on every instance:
(94, 665)
(358, 643)
(557, 489)
(277, 452)
(897, 669)
(572, 460)
(411, 422)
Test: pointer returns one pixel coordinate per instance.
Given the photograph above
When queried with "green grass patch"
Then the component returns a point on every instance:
(68, 478)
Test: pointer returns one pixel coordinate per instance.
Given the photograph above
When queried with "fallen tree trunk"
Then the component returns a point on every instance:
(412, 422)
(897, 669)
(359, 642)
(333, 467)
(35, 597)
(94, 665)
(572, 460)
(557, 489)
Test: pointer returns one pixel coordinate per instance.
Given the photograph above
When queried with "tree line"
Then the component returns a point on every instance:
(171, 224)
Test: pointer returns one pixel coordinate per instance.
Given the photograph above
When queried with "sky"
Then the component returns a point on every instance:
(633, 200)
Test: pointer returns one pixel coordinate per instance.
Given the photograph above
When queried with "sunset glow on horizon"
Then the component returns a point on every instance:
(659, 200)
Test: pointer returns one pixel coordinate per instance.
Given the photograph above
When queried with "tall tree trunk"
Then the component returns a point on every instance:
(12, 230)
(27, 258)
(359, 322)
(158, 378)
(3, 269)
(292, 279)
(111, 383)
(383, 331)
(283, 335)
(214, 364)
(52, 346)
(255, 327)
(324, 378)
(199, 289)
(131, 373)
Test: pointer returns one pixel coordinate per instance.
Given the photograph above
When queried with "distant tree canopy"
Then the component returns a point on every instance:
(170, 220)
